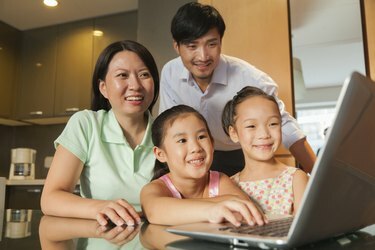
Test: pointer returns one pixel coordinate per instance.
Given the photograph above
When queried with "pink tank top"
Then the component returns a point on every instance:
(213, 188)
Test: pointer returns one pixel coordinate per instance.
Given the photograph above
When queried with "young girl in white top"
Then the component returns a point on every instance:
(187, 191)
(253, 119)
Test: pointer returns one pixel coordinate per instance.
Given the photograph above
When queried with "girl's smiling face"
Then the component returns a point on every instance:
(257, 128)
(187, 147)
(128, 84)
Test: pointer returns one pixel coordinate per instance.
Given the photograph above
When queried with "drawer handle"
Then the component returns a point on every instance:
(71, 110)
(36, 113)
(34, 190)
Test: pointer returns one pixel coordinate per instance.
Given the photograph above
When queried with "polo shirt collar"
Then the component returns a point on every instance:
(220, 75)
(112, 132)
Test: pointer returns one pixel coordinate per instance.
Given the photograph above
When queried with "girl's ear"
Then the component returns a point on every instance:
(233, 134)
(160, 154)
(103, 88)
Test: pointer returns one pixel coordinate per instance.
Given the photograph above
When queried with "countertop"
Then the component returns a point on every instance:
(50, 232)
(25, 182)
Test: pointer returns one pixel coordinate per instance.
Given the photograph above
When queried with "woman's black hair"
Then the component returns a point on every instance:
(229, 115)
(193, 20)
(101, 68)
(160, 126)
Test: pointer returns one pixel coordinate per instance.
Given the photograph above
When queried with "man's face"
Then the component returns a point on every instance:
(201, 56)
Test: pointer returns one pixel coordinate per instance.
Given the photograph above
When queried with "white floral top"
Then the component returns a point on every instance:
(274, 195)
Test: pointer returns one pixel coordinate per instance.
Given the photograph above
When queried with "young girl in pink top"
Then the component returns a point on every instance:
(184, 190)
(253, 119)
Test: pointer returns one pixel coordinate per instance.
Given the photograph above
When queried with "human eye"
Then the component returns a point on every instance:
(144, 75)
(181, 140)
(251, 126)
(212, 44)
(123, 75)
(191, 46)
(202, 136)
(274, 123)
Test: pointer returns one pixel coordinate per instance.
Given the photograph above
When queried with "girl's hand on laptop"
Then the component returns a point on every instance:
(235, 211)
(119, 212)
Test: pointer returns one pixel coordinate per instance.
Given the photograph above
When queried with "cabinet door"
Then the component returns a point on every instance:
(115, 28)
(74, 67)
(37, 73)
(9, 46)
(23, 197)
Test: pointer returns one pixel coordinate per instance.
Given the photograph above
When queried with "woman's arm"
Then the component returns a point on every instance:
(161, 208)
(300, 180)
(58, 232)
(58, 198)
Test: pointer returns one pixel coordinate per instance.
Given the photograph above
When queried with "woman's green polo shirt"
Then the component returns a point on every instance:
(112, 169)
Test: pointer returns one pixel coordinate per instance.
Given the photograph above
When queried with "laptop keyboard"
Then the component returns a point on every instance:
(276, 228)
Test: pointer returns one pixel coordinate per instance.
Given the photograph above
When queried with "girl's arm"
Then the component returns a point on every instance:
(58, 198)
(300, 180)
(161, 208)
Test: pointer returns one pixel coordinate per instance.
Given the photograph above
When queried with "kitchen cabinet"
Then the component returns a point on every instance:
(55, 71)
(37, 73)
(23, 196)
(26, 195)
(74, 67)
(57, 64)
(115, 28)
(9, 46)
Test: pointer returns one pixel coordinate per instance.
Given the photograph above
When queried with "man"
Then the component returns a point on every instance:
(206, 80)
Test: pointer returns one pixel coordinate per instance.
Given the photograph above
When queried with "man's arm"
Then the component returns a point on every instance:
(303, 153)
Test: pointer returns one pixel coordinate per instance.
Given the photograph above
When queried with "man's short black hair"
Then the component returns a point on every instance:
(193, 20)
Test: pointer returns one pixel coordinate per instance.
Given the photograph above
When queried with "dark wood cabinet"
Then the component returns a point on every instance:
(10, 39)
(37, 74)
(74, 67)
(26, 196)
(23, 196)
(55, 65)
(118, 27)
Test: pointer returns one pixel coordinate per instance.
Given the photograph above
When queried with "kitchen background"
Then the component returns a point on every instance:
(46, 69)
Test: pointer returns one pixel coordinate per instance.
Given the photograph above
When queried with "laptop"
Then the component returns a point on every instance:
(340, 194)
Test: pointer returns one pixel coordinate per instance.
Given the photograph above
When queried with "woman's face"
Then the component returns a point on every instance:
(128, 85)
(187, 148)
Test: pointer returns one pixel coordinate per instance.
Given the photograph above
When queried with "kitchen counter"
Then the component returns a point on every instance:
(25, 182)
(50, 232)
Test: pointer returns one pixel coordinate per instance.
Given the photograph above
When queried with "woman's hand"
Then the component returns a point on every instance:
(119, 212)
(118, 235)
(235, 211)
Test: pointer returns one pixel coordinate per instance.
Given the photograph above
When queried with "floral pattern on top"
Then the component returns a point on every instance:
(274, 195)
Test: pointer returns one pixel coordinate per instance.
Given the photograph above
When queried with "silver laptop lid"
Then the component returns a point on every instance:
(340, 196)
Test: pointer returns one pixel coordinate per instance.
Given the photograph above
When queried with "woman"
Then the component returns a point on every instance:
(109, 149)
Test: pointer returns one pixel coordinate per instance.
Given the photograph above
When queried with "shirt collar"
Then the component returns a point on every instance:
(112, 132)
(220, 75)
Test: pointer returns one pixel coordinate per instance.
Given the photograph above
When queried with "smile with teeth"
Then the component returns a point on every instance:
(202, 64)
(266, 146)
(134, 98)
(196, 161)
